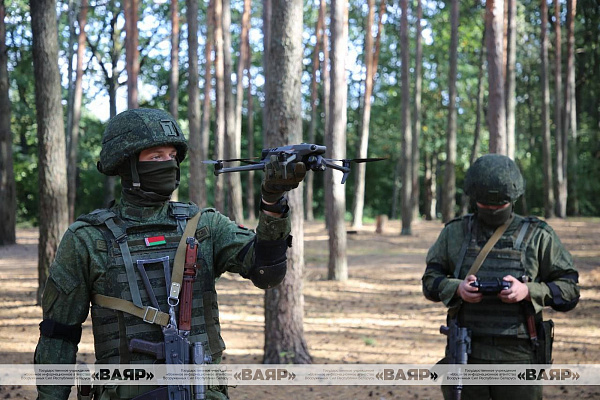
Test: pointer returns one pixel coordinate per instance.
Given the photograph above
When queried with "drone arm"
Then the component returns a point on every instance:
(344, 168)
(252, 167)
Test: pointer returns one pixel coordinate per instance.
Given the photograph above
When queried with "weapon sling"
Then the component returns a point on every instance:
(189, 276)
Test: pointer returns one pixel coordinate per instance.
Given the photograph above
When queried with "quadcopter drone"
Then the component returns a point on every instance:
(309, 154)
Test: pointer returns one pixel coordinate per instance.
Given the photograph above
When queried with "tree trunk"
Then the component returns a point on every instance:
(546, 141)
(76, 113)
(430, 187)
(511, 100)
(336, 141)
(477, 134)
(417, 117)
(494, 18)
(174, 72)
(571, 111)
(197, 182)
(309, 180)
(220, 96)
(71, 150)
(397, 187)
(52, 166)
(251, 206)
(360, 170)
(8, 197)
(232, 137)
(266, 16)
(449, 191)
(284, 313)
(326, 93)
(406, 126)
(560, 135)
(200, 186)
(132, 54)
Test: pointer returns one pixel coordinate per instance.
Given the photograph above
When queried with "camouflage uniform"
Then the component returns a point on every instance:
(91, 260)
(529, 247)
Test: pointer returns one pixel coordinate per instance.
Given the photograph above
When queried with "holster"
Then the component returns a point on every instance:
(543, 351)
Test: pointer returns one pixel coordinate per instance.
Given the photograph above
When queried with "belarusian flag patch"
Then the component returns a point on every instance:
(155, 241)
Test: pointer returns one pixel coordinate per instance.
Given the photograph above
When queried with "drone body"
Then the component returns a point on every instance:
(309, 154)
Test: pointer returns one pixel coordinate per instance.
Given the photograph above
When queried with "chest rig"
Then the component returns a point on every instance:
(134, 304)
(492, 317)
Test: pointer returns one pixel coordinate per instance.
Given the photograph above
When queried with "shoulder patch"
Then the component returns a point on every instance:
(202, 233)
(101, 245)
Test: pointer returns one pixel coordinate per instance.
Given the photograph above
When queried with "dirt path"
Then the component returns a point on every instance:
(378, 316)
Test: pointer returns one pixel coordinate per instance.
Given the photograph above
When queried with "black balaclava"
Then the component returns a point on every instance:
(494, 218)
(149, 183)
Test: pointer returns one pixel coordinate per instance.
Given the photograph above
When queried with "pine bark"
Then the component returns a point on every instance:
(336, 142)
(560, 135)
(197, 183)
(72, 148)
(8, 197)
(250, 201)
(174, 72)
(132, 54)
(417, 113)
(314, 94)
(571, 111)
(284, 312)
(494, 20)
(546, 141)
(52, 168)
(233, 139)
(360, 170)
(449, 191)
(511, 100)
(219, 152)
(406, 125)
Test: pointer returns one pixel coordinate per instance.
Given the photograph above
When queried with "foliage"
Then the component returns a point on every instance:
(385, 116)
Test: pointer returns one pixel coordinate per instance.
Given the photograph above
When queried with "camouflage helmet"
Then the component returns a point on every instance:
(494, 179)
(135, 130)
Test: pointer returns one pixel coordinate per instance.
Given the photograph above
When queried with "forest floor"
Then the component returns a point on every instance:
(379, 316)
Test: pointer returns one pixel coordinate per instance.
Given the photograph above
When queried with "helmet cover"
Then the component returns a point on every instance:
(134, 130)
(494, 179)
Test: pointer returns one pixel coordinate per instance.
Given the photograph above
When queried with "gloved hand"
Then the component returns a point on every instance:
(274, 185)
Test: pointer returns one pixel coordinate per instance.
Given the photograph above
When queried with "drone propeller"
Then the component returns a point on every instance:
(246, 160)
(360, 160)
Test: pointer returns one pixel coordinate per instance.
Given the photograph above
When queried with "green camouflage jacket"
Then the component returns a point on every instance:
(87, 263)
(530, 248)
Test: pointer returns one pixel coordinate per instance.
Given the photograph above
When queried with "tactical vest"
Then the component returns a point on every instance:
(129, 252)
(492, 317)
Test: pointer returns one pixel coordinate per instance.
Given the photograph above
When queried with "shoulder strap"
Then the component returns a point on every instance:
(488, 246)
(149, 314)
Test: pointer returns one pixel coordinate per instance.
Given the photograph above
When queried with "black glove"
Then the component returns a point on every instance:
(275, 185)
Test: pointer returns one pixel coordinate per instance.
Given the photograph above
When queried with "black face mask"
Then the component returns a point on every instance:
(158, 176)
(158, 180)
(494, 218)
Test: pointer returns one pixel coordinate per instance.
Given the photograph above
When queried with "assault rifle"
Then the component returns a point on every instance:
(459, 345)
(176, 349)
(312, 155)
